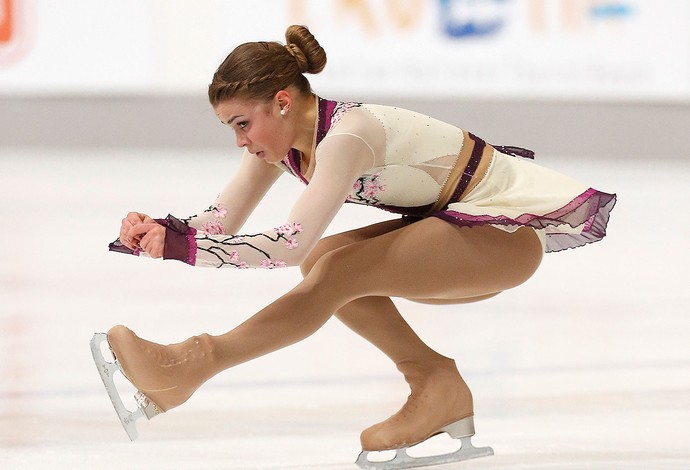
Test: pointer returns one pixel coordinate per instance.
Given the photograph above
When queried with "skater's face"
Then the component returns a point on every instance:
(259, 126)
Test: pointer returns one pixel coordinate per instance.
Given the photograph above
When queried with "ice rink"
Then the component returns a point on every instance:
(587, 365)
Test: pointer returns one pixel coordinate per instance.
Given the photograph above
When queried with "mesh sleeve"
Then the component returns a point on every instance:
(341, 160)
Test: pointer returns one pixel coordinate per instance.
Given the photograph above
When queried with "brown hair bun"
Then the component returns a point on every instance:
(309, 54)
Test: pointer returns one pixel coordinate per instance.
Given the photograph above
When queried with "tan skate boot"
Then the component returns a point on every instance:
(439, 396)
(440, 401)
(166, 375)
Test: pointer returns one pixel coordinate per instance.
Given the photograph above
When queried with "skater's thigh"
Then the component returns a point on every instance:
(339, 240)
(433, 260)
(452, 264)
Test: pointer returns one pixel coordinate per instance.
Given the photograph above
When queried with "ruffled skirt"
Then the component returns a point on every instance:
(516, 193)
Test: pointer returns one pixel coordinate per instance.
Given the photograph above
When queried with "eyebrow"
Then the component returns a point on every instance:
(229, 121)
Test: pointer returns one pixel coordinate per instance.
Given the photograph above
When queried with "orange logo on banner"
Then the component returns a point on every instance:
(5, 21)
(402, 14)
(17, 21)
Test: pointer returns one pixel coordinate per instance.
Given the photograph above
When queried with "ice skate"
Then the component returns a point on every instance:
(106, 370)
(462, 429)
(440, 402)
(165, 376)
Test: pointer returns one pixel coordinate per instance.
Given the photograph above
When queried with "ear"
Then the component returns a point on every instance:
(283, 99)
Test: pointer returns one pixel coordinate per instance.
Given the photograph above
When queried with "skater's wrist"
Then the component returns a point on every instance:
(180, 241)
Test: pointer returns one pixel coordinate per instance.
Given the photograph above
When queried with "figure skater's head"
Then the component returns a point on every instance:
(258, 70)
(260, 91)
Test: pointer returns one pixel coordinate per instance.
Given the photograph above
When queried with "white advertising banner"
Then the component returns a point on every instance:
(628, 50)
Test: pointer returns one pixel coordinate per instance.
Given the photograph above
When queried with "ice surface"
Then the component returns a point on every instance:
(587, 365)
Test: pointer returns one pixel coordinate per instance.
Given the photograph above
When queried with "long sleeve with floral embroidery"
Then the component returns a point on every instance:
(288, 243)
(210, 220)
(263, 250)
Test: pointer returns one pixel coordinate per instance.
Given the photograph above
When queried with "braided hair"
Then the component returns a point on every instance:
(258, 70)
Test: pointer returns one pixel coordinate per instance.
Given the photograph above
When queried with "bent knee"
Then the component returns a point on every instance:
(323, 247)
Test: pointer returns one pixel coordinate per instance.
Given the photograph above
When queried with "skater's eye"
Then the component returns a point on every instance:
(243, 124)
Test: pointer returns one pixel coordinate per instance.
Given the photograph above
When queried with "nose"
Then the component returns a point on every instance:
(242, 140)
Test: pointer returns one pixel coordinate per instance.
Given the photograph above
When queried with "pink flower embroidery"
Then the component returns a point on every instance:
(242, 265)
(213, 227)
(285, 229)
(219, 211)
(234, 256)
(372, 188)
(270, 264)
(291, 243)
(367, 189)
(288, 229)
(266, 264)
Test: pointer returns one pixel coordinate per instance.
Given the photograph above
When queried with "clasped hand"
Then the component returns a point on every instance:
(139, 231)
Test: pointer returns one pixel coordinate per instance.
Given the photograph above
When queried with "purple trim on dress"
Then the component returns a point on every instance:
(326, 108)
(415, 213)
(323, 124)
(515, 151)
(180, 240)
(590, 209)
(293, 162)
(470, 168)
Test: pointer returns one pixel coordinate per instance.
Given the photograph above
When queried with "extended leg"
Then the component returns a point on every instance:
(403, 263)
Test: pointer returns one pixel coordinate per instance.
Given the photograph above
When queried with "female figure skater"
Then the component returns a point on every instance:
(477, 219)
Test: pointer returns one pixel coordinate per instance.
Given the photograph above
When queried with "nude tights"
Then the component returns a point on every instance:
(354, 275)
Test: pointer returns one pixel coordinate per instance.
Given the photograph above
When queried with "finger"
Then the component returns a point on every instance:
(145, 242)
(136, 218)
(140, 230)
(127, 241)
(131, 218)
(153, 243)
(124, 228)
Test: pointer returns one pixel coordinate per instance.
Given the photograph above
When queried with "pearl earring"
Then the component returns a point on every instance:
(283, 111)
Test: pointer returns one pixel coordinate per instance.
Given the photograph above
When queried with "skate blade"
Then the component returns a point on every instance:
(106, 370)
(403, 460)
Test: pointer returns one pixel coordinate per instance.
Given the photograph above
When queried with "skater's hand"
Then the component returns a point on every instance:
(151, 238)
(132, 219)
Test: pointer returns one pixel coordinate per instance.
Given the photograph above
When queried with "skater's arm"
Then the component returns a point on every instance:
(238, 199)
(340, 161)
(226, 215)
